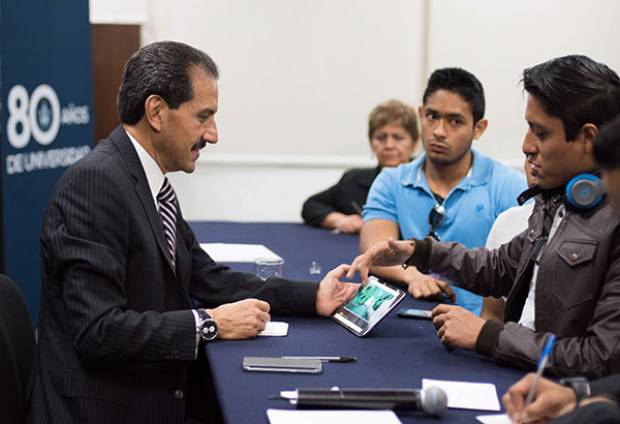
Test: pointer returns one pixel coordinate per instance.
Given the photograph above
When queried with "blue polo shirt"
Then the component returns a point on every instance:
(402, 195)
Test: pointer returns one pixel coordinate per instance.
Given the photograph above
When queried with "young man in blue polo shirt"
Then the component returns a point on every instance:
(452, 192)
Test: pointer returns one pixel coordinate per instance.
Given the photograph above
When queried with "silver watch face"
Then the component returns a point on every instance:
(208, 330)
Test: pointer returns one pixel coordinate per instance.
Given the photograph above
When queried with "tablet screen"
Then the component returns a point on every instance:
(371, 303)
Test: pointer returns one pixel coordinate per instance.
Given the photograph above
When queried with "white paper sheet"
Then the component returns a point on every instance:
(275, 328)
(482, 396)
(494, 419)
(237, 252)
(293, 416)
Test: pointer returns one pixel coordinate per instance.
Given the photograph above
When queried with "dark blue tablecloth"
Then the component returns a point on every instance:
(398, 353)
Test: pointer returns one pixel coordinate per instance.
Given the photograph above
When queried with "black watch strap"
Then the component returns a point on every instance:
(207, 328)
(580, 385)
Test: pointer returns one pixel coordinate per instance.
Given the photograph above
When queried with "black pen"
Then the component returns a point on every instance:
(324, 358)
(356, 207)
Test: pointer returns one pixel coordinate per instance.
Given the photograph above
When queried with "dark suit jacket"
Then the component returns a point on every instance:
(352, 188)
(117, 336)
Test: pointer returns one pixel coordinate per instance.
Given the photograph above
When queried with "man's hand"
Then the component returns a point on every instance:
(423, 286)
(551, 400)
(240, 320)
(349, 224)
(456, 326)
(384, 253)
(332, 292)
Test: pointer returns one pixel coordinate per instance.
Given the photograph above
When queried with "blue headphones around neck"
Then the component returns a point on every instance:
(584, 191)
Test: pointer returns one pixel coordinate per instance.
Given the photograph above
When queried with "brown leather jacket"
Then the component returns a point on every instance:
(577, 291)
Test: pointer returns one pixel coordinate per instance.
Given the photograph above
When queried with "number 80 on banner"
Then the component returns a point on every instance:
(26, 118)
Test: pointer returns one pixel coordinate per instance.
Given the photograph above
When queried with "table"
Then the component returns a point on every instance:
(397, 353)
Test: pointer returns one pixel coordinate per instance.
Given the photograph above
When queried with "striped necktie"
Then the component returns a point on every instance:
(166, 202)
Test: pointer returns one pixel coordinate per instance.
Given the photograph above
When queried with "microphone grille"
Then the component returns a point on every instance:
(434, 401)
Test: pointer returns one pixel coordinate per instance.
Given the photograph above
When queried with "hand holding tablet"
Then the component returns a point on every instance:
(371, 303)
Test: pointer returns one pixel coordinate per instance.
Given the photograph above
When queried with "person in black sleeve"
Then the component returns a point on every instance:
(571, 401)
(393, 135)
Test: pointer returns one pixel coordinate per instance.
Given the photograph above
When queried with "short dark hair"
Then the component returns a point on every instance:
(161, 68)
(461, 82)
(575, 89)
(607, 145)
(393, 111)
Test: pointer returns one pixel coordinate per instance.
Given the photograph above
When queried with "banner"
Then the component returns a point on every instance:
(46, 88)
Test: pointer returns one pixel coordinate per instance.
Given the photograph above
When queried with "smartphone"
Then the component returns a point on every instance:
(414, 313)
(275, 364)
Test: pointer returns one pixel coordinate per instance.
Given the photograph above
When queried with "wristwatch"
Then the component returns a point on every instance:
(580, 386)
(207, 328)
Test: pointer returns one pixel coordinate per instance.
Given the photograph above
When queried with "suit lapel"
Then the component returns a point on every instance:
(127, 151)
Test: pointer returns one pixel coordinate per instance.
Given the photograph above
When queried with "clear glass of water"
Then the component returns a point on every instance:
(268, 267)
(315, 268)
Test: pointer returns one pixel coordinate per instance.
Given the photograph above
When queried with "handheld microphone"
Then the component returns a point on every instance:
(432, 401)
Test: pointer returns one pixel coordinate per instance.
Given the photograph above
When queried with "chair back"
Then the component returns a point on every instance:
(16, 350)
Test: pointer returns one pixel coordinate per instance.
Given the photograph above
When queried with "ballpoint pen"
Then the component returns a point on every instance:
(542, 363)
(357, 207)
(324, 358)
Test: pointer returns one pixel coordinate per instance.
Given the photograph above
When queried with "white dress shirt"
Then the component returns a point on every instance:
(528, 315)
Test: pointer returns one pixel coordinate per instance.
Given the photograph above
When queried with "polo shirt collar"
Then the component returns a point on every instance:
(478, 174)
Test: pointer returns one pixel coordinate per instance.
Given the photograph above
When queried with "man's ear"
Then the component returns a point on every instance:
(480, 128)
(588, 133)
(154, 110)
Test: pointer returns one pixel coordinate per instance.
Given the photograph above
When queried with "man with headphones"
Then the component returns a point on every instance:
(562, 274)
(577, 400)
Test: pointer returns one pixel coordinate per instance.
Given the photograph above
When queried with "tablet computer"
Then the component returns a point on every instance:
(371, 303)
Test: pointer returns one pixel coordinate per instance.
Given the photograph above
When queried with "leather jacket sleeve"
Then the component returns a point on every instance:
(587, 340)
(482, 271)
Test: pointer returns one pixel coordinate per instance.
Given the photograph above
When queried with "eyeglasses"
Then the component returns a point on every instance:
(435, 218)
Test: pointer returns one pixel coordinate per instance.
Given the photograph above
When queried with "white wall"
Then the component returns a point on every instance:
(119, 11)
(298, 79)
(249, 193)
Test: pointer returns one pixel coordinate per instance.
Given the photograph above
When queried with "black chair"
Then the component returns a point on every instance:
(16, 350)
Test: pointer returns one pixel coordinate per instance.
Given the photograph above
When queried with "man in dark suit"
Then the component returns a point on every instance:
(120, 335)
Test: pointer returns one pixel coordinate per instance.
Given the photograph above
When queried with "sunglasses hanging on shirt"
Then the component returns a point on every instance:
(436, 217)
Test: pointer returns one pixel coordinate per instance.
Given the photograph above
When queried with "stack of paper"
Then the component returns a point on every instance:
(494, 419)
(275, 328)
(237, 252)
(482, 396)
(292, 416)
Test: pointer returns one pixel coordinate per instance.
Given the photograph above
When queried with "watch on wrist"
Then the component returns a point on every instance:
(207, 328)
(580, 386)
